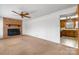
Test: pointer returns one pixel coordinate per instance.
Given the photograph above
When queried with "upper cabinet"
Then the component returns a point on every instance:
(62, 23)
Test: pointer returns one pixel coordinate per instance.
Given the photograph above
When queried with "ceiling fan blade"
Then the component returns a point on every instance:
(27, 16)
(24, 13)
(16, 12)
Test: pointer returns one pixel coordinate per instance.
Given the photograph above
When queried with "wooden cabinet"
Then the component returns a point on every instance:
(62, 23)
(69, 33)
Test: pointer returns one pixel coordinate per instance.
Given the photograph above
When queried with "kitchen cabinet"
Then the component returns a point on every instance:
(69, 33)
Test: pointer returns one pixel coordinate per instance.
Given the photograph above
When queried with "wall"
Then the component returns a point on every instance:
(46, 27)
(1, 27)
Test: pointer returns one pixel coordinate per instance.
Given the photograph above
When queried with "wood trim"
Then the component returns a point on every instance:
(77, 11)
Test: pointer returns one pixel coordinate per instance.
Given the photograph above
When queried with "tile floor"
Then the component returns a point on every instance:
(69, 41)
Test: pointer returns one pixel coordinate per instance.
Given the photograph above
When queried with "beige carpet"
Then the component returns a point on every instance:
(28, 45)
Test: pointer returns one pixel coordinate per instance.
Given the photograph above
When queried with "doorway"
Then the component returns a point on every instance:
(68, 30)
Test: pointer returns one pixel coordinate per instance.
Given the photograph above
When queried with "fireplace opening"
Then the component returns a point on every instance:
(13, 32)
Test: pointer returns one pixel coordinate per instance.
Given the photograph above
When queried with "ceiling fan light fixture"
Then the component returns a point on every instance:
(23, 14)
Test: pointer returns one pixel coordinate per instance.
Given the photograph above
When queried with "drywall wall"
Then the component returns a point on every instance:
(46, 27)
(1, 27)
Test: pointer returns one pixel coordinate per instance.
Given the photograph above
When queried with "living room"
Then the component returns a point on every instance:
(41, 26)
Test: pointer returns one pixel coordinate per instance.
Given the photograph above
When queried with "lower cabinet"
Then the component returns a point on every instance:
(69, 33)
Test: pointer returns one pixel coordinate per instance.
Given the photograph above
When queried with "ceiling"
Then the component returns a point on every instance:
(35, 10)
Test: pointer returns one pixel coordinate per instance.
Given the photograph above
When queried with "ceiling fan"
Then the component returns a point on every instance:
(22, 14)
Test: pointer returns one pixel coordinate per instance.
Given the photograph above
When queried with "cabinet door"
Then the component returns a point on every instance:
(62, 23)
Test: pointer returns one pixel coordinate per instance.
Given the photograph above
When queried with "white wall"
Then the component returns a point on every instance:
(1, 27)
(46, 27)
